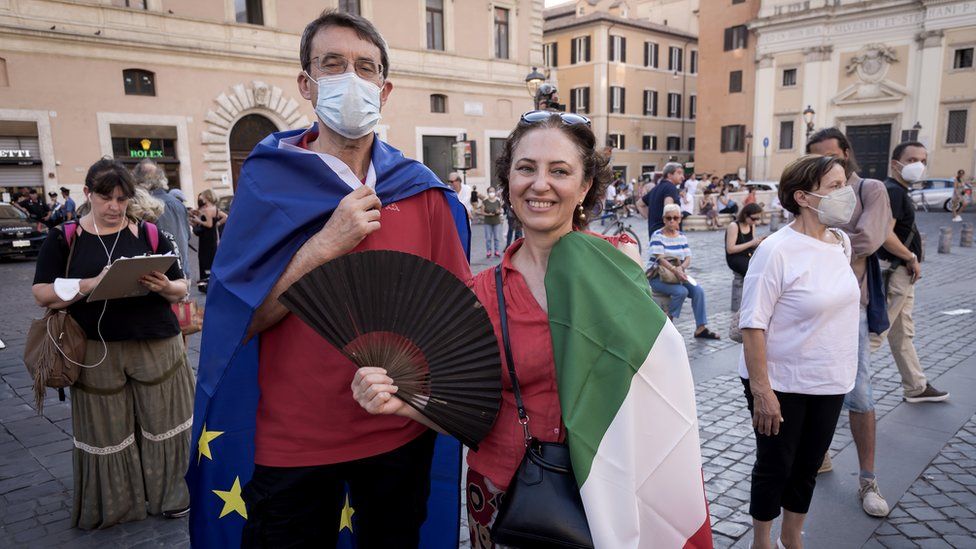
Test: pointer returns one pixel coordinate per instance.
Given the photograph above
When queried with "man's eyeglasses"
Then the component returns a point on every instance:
(568, 118)
(333, 64)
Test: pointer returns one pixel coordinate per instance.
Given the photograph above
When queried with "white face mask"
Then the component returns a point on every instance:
(837, 207)
(912, 172)
(347, 104)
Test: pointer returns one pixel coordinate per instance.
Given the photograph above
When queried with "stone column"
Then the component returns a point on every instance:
(816, 64)
(762, 125)
(929, 59)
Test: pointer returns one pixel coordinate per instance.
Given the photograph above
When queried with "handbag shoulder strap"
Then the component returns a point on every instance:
(506, 343)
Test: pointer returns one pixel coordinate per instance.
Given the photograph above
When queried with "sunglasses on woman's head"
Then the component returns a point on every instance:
(568, 118)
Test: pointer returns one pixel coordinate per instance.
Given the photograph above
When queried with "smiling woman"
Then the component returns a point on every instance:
(551, 176)
(571, 158)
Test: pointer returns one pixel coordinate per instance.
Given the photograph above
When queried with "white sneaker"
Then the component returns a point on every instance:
(872, 501)
(957, 219)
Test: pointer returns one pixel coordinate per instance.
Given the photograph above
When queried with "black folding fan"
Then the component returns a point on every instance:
(414, 318)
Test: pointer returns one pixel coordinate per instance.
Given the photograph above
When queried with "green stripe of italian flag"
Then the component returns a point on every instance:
(627, 398)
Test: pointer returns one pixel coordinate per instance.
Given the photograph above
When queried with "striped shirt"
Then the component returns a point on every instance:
(671, 246)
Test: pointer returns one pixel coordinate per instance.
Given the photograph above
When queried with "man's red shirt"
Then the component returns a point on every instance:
(306, 414)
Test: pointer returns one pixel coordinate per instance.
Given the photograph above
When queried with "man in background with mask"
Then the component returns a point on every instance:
(273, 397)
(900, 258)
(868, 228)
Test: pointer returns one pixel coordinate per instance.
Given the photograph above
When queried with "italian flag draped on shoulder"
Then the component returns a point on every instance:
(628, 401)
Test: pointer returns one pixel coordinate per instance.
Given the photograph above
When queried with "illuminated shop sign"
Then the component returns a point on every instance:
(146, 150)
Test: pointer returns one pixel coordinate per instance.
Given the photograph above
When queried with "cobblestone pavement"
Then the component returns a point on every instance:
(938, 510)
(35, 451)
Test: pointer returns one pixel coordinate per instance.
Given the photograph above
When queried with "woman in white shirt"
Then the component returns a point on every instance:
(799, 321)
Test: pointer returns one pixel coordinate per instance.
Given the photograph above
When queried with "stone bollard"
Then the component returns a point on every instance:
(945, 239)
(774, 221)
(966, 235)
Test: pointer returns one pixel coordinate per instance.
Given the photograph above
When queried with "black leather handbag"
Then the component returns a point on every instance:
(542, 506)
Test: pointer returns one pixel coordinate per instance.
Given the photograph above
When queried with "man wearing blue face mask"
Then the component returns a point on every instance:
(900, 256)
(284, 456)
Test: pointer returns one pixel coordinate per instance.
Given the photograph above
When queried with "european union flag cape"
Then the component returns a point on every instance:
(283, 198)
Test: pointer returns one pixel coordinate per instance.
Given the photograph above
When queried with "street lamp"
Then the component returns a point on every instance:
(533, 80)
(915, 129)
(808, 114)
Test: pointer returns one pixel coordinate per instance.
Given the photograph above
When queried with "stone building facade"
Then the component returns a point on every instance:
(883, 71)
(634, 78)
(194, 85)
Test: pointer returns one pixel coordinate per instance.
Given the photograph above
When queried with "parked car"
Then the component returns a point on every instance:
(18, 234)
(932, 193)
(763, 185)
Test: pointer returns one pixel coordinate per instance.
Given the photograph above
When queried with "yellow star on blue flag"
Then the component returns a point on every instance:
(232, 500)
(345, 518)
(203, 445)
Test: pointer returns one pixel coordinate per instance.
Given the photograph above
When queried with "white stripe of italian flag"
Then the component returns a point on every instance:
(627, 400)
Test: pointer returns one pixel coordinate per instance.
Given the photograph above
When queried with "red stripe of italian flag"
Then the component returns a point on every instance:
(628, 400)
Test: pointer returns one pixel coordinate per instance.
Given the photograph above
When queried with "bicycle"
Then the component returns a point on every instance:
(618, 226)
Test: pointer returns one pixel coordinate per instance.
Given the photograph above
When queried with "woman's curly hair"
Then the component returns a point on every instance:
(596, 167)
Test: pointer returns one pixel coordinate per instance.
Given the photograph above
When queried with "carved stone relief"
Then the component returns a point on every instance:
(255, 97)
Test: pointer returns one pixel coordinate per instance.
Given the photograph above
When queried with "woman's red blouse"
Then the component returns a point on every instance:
(502, 450)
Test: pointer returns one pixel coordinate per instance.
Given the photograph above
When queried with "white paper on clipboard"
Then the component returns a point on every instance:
(122, 279)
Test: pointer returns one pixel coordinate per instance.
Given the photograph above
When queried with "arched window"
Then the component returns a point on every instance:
(438, 102)
(245, 134)
(139, 82)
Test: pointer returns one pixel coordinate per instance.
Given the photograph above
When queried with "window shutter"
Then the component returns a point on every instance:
(610, 47)
(610, 100)
(728, 41)
(623, 50)
(572, 100)
(623, 100)
(645, 101)
(647, 57)
(555, 55)
(573, 46)
(586, 48)
(586, 99)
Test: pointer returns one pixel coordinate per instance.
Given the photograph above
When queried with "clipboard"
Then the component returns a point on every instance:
(122, 278)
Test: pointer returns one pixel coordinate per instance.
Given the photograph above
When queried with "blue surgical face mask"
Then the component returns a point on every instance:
(347, 104)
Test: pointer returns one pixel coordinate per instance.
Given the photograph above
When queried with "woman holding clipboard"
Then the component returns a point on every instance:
(135, 373)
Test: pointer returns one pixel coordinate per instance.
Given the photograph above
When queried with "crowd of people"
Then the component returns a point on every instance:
(813, 299)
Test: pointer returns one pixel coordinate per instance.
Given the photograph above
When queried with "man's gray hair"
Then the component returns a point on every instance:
(671, 167)
(150, 176)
